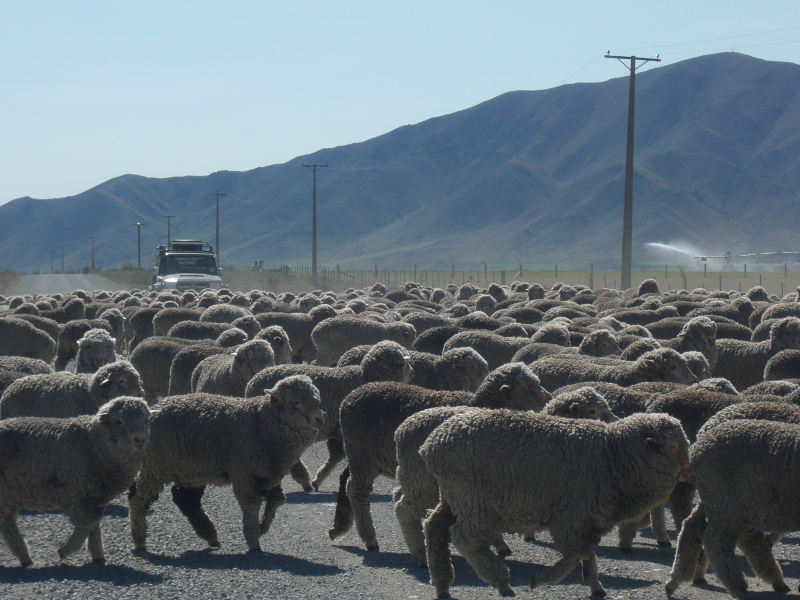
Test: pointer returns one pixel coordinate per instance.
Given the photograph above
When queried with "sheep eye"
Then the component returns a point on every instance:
(118, 422)
(673, 367)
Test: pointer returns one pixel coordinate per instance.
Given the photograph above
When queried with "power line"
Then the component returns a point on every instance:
(733, 37)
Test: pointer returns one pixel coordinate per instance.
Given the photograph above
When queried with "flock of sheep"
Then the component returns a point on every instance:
(507, 410)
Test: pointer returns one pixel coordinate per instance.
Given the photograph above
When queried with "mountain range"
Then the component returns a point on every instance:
(528, 177)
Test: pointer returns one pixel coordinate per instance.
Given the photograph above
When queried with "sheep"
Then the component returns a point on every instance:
(596, 343)
(333, 337)
(141, 323)
(387, 361)
(623, 401)
(495, 349)
(231, 337)
(21, 364)
(460, 369)
(418, 492)
(188, 357)
(63, 395)
(72, 310)
(504, 471)
(153, 359)
(95, 349)
(223, 313)
(664, 364)
(167, 317)
(783, 365)
(775, 388)
(20, 338)
(370, 415)
(71, 332)
(49, 326)
(433, 340)
(197, 330)
(735, 465)
(640, 346)
(743, 363)
(201, 439)
(700, 335)
(277, 337)
(298, 327)
(228, 374)
(77, 465)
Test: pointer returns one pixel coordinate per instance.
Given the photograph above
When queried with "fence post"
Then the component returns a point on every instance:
(453, 273)
(745, 270)
(665, 272)
(705, 268)
(605, 285)
(785, 271)
(759, 279)
(720, 283)
(376, 273)
(591, 276)
(502, 277)
(556, 271)
(486, 274)
(415, 273)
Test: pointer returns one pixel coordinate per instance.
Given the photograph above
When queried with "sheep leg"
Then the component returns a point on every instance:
(774, 537)
(140, 497)
(189, 501)
(474, 547)
(301, 475)
(757, 550)
(681, 502)
(274, 499)
(85, 517)
(627, 533)
(720, 541)
(62, 358)
(437, 545)
(689, 555)
(335, 456)
(249, 498)
(13, 538)
(358, 491)
(96, 545)
(658, 521)
(343, 517)
(410, 514)
(590, 575)
(500, 546)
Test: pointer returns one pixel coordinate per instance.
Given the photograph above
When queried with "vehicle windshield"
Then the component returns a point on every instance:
(188, 263)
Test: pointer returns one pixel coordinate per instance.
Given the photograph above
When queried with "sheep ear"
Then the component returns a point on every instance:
(651, 443)
(649, 363)
(274, 398)
(104, 417)
(106, 382)
(575, 408)
(505, 389)
(682, 335)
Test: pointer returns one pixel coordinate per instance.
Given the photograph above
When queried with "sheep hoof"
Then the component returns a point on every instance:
(780, 586)
(444, 594)
(139, 550)
(307, 487)
(702, 581)
(600, 593)
(256, 550)
(530, 538)
(26, 563)
(533, 581)
(372, 547)
(214, 544)
(505, 551)
(505, 590)
(666, 544)
(670, 588)
(626, 550)
(99, 560)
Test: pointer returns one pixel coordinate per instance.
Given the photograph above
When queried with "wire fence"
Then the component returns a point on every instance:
(286, 277)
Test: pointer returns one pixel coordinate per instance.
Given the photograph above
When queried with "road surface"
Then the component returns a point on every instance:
(51, 284)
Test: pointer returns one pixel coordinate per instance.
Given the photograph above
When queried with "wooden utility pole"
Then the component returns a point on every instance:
(92, 238)
(314, 169)
(627, 213)
(219, 261)
(169, 229)
(139, 241)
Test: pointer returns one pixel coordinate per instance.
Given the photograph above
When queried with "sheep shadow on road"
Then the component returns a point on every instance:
(212, 559)
(120, 575)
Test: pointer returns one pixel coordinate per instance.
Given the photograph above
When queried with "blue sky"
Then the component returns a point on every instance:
(91, 90)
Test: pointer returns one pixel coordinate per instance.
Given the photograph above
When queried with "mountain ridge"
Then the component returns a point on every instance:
(532, 177)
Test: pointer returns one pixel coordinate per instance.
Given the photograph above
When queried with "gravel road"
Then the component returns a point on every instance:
(54, 283)
(300, 562)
